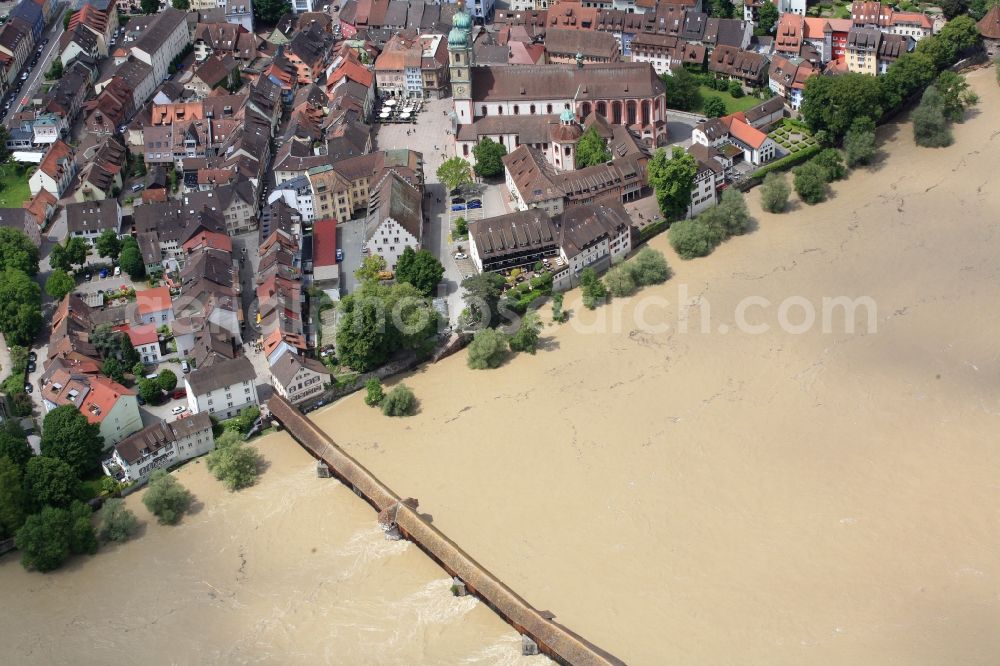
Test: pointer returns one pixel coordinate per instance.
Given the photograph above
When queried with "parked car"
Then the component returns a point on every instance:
(475, 203)
(137, 187)
(178, 394)
(118, 271)
(458, 207)
(139, 399)
(185, 367)
(31, 366)
(177, 410)
(340, 254)
(461, 255)
(103, 273)
(88, 276)
(28, 389)
(32, 356)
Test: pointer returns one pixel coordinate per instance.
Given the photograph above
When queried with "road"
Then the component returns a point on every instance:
(53, 33)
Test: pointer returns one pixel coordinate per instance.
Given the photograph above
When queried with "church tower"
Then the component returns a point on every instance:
(460, 60)
(562, 140)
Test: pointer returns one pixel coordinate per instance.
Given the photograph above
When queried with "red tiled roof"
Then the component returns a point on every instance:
(143, 335)
(325, 242)
(210, 239)
(152, 300)
(104, 393)
(739, 128)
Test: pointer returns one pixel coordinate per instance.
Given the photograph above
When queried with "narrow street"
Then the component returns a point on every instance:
(53, 32)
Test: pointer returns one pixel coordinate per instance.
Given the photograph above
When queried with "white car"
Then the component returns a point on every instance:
(461, 255)
(177, 410)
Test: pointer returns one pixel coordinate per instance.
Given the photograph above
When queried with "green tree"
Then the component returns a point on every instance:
(131, 259)
(672, 179)
(955, 94)
(233, 463)
(182, 5)
(55, 71)
(149, 6)
(488, 349)
(378, 320)
(461, 227)
(714, 107)
(270, 11)
(594, 291)
(489, 157)
(454, 172)
(399, 401)
(952, 8)
(373, 392)
(620, 282)
(108, 244)
(810, 182)
(833, 103)
(50, 481)
(421, 269)
(910, 73)
(683, 91)
(591, 149)
(67, 435)
(370, 268)
(76, 250)
(116, 522)
(525, 339)
(247, 417)
(961, 35)
(59, 284)
(13, 443)
(732, 213)
(12, 500)
(859, 143)
(774, 193)
(482, 298)
(558, 314)
(20, 307)
(114, 369)
(44, 539)
(17, 251)
(693, 238)
(648, 267)
(166, 380)
(149, 390)
(138, 369)
(930, 126)
(735, 89)
(832, 163)
(166, 498)
(767, 18)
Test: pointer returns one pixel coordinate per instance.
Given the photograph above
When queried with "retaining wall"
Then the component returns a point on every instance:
(553, 639)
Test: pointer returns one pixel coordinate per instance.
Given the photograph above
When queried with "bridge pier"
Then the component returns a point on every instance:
(458, 587)
(322, 469)
(528, 646)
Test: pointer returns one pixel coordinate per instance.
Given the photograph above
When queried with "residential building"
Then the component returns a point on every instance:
(160, 445)
(757, 147)
(32, 15)
(146, 341)
(154, 306)
(890, 47)
(747, 67)
(103, 401)
(395, 218)
(666, 52)
(989, 29)
(90, 219)
(569, 46)
(16, 44)
(298, 378)
(222, 389)
(863, 49)
(787, 77)
(21, 220)
(239, 12)
(237, 204)
(162, 41)
(56, 171)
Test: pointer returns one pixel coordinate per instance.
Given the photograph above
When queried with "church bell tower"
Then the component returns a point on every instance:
(460, 60)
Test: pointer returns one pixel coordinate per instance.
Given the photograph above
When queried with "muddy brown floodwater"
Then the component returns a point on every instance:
(291, 571)
(723, 497)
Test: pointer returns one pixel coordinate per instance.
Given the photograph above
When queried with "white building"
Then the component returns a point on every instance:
(792, 7)
(103, 401)
(757, 147)
(223, 388)
(162, 41)
(296, 193)
(146, 342)
(297, 378)
(395, 218)
(160, 445)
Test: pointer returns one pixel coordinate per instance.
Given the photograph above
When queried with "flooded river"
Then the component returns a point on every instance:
(730, 496)
(292, 571)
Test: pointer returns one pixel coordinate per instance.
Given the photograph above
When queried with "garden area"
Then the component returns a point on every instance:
(793, 136)
(733, 104)
(14, 189)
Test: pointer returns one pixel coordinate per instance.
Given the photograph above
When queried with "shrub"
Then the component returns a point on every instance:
(233, 463)
(714, 107)
(648, 267)
(692, 238)
(594, 291)
(374, 392)
(859, 143)
(525, 339)
(787, 162)
(400, 401)
(166, 499)
(487, 349)
(930, 126)
(810, 183)
(117, 523)
(620, 282)
(774, 193)
(832, 163)
(558, 314)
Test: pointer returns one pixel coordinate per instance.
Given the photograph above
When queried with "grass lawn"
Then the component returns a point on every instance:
(13, 187)
(732, 104)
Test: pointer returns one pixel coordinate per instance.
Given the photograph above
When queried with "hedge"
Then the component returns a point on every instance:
(787, 162)
(653, 229)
